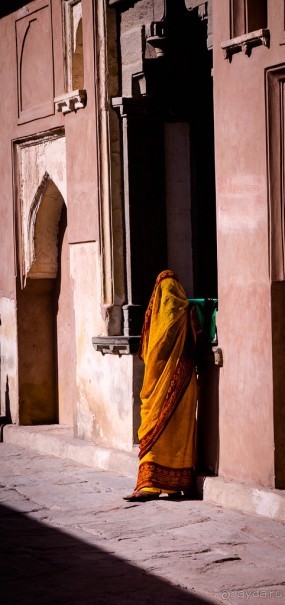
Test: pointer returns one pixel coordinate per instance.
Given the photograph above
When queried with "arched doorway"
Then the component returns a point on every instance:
(44, 314)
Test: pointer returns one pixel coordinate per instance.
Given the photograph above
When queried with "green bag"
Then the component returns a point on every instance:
(206, 309)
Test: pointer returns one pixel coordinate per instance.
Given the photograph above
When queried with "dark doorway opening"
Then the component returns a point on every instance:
(171, 163)
(182, 88)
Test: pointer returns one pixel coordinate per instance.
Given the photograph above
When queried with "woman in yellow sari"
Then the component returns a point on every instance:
(169, 393)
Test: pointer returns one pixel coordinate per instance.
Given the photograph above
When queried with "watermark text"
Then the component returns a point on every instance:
(253, 593)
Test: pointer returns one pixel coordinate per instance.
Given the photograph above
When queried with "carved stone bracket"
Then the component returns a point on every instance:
(212, 357)
(116, 345)
(128, 107)
(245, 43)
(218, 356)
(157, 40)
(71, 101)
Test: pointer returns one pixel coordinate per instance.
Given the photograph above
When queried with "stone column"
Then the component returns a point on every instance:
(132, 311)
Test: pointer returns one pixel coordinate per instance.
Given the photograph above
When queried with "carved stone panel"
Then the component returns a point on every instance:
(34, 62)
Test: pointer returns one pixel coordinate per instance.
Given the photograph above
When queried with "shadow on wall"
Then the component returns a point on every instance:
(208, 440)
(43, 565)
(7, 418)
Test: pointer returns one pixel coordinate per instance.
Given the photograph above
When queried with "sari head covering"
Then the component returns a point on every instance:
(169, 390)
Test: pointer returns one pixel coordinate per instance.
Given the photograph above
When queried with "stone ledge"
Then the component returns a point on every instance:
(246, 498)
(71, 101)
(116, 345)
(246, 43)
(59, 441)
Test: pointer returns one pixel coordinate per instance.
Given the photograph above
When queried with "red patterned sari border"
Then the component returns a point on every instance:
(152, 474)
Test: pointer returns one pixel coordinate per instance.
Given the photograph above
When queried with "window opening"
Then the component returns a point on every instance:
(247, 16)
(73, 37)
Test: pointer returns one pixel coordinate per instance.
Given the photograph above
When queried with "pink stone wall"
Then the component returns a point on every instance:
(28, 110)
(244, 317)
(251, 380)
(46, 344)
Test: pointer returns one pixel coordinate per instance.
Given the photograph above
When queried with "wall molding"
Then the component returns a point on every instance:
(275, 131)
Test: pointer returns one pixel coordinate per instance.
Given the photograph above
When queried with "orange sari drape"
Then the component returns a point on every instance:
(169, 390)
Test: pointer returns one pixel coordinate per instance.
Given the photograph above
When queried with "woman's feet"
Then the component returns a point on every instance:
(142, 496)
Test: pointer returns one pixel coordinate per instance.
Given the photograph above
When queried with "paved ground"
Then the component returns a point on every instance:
(67, 537)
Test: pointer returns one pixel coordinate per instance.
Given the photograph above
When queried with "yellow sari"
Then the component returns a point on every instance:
(169, 390)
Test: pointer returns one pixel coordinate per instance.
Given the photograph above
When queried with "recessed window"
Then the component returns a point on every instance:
(247, 16)
(248, 27)
(73, 37)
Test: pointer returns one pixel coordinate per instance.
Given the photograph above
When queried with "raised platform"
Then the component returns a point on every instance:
(58, 440)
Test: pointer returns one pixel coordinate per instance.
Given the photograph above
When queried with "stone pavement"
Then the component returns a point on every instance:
(60, 441)
(67, 537)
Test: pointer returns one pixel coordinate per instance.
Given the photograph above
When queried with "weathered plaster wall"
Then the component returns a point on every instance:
(8, 360)
(244, 318)
(104, 411)
(95, 393)
(8, 328)
(65, 334)
(8, 112)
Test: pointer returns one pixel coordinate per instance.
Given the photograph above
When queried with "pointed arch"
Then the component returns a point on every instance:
(43, 223)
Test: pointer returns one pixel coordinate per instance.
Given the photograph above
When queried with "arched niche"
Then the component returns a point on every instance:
(37, 311)
(42, 226)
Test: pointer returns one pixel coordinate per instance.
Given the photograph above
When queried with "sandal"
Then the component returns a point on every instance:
(175, 495)
(142, 496)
